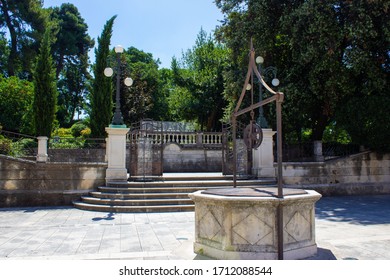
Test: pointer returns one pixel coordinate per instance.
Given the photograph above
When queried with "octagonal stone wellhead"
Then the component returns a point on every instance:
(241, 223)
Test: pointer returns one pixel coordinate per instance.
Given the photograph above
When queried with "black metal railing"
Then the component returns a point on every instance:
(304, 152)
(17, 144)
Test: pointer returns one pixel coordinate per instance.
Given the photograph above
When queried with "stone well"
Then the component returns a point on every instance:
(241, 223)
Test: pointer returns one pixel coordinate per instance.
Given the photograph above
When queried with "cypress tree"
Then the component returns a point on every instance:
(45, 89)
(101, 96)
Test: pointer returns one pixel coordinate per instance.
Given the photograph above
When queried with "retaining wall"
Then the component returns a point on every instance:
(28, 183)
(363, 173)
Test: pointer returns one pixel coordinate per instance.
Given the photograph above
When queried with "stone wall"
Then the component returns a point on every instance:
(28, 183)
(364, 173)
(177, 159)
(77, 155)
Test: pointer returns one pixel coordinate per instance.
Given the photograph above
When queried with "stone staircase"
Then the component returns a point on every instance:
(161, 194)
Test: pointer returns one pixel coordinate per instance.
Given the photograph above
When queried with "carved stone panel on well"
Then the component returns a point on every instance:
(210, 223)
(298, 228)
(262, 225)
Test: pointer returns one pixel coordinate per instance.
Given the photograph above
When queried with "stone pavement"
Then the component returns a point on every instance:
(355, 227)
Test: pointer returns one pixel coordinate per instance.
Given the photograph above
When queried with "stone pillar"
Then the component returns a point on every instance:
(263, 157)
(42, 149)
(317, 148)
(116, 154)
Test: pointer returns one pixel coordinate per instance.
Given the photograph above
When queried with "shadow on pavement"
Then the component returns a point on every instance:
(364, 210)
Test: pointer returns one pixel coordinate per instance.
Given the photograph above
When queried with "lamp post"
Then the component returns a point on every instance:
(275, 82)
(117, 120)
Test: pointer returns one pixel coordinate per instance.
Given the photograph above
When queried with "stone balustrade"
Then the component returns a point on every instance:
(211, 139)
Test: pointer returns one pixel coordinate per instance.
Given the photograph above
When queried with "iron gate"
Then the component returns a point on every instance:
(244, 156)
(146, 148)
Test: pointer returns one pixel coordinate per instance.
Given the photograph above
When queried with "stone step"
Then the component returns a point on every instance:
(145, 190)
(151, 195)
(134, 209)
(181, 177)
(136, 202)
(161, 194)
(188, 183)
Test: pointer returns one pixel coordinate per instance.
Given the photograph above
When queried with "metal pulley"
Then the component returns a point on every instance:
(253, 136)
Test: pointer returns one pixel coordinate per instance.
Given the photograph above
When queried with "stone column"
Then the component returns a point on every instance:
(42, 149)
(263, 157)
(116, 154)
(317, 148)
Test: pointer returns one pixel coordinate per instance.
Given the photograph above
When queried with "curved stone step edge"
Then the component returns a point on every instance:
(151, 195)
(135, 202)
(134, 209)
(190, 183)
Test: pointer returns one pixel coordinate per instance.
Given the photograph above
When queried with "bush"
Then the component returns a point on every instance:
(5, 145)
(77, 128)
(86, 132)
(23, 147)
(63, 132)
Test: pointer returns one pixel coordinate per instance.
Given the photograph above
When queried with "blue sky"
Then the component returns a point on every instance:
(164, 28)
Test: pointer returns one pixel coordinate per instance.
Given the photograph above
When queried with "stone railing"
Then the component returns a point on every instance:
(184, 139)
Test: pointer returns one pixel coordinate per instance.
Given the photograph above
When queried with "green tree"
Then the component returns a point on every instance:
(73, 91)
(200, 75)
(138, 101)
(70, 52)
(327, 52)
(45, 89)
(4, 53)
(101, 95)
(72, 40)
(160, 110)
(25, 21)
(16, 96)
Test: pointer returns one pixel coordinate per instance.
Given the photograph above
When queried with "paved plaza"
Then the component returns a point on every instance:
(355, 227)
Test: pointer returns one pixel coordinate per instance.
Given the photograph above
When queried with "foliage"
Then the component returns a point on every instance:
(367, 119)
(16, 96)
(327, 53)
(199, 78)
(86, 132)
(101, 95)
(23, 147)
(137, 101)
(25, 21)
(72, 40)
(45, 91)
(73, 91)
(160, 110)
(70, 52)
(77, 128)
(63, 132)
(5, 145)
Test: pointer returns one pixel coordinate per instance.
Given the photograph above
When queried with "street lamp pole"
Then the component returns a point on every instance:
(117, 120)
(262, 121)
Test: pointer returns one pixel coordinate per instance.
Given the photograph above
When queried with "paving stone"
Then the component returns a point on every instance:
(342, 232)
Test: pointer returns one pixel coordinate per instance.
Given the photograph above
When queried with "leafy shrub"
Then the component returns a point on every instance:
(63, 132)
(5, 145)
(23, 147)
(86, 132)
(77, 128)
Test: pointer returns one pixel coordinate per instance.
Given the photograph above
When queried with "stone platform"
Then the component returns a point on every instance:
(241, 223)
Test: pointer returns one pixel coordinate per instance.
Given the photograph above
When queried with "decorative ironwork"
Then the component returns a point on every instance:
(146, 149)
(278, 98)
(253, 136)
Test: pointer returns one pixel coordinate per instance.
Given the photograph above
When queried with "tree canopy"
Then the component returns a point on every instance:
(101, 95)
(199, 78)
(26, 22)
(332, 58)
(328, 53)
(45, 90)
